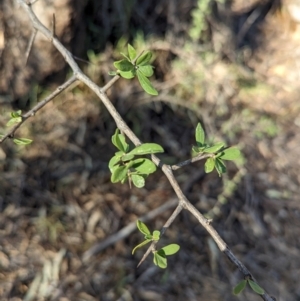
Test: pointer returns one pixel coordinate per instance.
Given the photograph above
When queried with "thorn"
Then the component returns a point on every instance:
(29, 47)
(209, 221)
(141, 261)
(53, 25)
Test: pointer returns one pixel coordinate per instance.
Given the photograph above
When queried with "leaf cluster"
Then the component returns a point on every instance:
(16, 117)
(218, 152)
(136, 65)
(160, 256)
(125, 165)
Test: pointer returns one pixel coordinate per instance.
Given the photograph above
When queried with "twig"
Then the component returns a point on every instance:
(125, 129)
(170, 220)
(126, 231)
(53, 25)
(189, 161)
(33, 35)
(36, 108)
(248, 23)
(110, 83)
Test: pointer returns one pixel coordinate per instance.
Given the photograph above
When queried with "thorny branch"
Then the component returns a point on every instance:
(126, 231)
(189, 161)
(100, 92)
(170, 220)
(36, 108)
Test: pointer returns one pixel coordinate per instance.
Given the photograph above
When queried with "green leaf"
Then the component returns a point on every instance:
(124, 65)
(144, 59)
(126, 56)
(114, 137)
(156, 235)
(113, 161)
(141, 245)
(209, 165)
(146, 70)
(220, 166)
(215, 148)
(147, 148)
(239, 287)
(22, 141)
(256, 287)
(171, 249)
(196, 150)
(138, 181)
(113, 168)
(119, 141)
(143, 228)
(122, 145)
(16, 114)
(160, 259)
(144, 166)
(119, 174)
(13, 121)
(112, 73)
(200, 135)
(149, 236)
(127, 74)
(127, 157)
(231, 153)
(146, 84)
(119, 153)
(131, 52)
